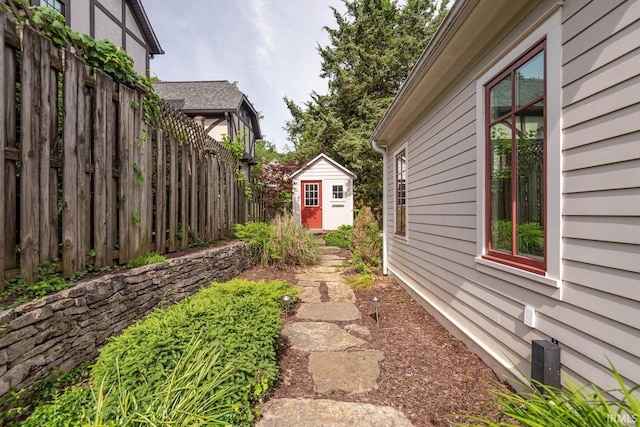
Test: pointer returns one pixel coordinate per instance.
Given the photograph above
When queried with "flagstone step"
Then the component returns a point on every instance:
(324, 412)
(338, 311)
(352, 372)
(319, 336)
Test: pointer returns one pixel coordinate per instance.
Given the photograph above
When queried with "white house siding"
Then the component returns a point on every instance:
(334, 212)
(595, 311)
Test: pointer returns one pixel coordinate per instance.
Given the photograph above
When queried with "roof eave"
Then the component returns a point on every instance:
(427, 57)
(145, 26)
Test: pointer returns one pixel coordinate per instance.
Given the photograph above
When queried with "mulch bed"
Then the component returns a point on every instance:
(427, 374)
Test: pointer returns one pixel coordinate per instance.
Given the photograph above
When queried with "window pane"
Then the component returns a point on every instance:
(401, 187)
(530, 182)
(501, 98)
(338, 192)
(311, 195)
(530, 80)
(500, 167)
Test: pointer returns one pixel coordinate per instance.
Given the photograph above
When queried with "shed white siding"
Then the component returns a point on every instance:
(593, 307)
(335, 212)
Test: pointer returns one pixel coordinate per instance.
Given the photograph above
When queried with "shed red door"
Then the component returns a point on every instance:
(312, 204)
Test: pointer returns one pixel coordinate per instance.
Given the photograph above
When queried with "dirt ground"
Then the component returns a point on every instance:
(427, 374)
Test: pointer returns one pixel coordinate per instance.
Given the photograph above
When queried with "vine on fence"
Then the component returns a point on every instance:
(236, 147)
(98, 54)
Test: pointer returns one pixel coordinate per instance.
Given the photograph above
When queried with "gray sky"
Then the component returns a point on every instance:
(267, 46)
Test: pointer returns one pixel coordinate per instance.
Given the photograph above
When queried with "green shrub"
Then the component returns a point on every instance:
(283, 242)
(360, 281)
(150, 258)
(257, 235)
(156, 366)
(366, 238)
(291, 244)
(340, 238)
(579, 406)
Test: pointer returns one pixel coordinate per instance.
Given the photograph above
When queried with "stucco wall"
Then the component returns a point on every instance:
(67, 328)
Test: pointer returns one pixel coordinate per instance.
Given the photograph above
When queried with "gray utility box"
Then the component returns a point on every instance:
(545, 362)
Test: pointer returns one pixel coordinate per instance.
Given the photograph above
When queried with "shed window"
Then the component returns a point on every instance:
(401, 193)
(338, 192)
(515, 163)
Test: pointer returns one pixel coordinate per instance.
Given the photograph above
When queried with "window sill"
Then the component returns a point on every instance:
(497, 269)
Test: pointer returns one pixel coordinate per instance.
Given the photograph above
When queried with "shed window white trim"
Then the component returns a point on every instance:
(549, 30)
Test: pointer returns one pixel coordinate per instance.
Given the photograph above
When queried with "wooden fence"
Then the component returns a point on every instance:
(87, 181)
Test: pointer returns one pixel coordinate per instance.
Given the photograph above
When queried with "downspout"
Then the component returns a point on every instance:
(382, 151)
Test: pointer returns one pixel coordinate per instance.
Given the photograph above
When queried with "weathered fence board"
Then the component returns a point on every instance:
(174, 194)
(161, 193)
(102, 169)
(86, 179)
(3, 143)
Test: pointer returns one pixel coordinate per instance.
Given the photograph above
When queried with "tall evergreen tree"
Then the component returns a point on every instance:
(373, 48)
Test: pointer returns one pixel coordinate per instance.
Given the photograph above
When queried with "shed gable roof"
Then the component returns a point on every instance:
(319, 157)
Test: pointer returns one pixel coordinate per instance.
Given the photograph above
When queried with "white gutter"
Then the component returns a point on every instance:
(382, 151)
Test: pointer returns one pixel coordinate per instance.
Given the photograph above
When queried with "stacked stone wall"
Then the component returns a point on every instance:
(67, 328)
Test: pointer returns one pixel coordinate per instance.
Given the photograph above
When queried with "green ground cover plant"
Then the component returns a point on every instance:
(157, 373)
(340, 238)
(149, 258)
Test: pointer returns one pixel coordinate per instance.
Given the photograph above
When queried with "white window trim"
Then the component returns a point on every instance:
(401, 237)
(550, 29)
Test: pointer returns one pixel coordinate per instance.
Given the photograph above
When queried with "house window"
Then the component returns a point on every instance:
(401, 193)
(338, 192)
(57, 5)
(515, 163)
(311, 195)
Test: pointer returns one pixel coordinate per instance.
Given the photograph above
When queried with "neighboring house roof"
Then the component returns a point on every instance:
(145, 26)
(328, 159)
(201, 97)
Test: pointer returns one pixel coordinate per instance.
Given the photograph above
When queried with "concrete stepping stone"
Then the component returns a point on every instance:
(320, 269)
(329, 311)
(309, 294)
(319, 336)
(320, 277)
(340, 292)
(324, 412)
(353, 372)
(358, 329)
(303, 280)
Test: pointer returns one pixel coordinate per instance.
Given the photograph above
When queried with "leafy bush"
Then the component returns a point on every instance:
(366, 238)
(283, 242)
(360, 281)
(156, 373)
(542, 405)
(150, 258)
(340, 238)
(257, 235)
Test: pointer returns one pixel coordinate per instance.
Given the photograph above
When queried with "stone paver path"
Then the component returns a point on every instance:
(335, 360)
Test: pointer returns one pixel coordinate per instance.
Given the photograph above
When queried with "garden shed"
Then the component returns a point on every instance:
(323, 194)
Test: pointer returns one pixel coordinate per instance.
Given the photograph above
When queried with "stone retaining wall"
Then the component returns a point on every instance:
(67, 328)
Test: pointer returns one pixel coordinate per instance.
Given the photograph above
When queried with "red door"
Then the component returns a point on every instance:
(312, 204)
